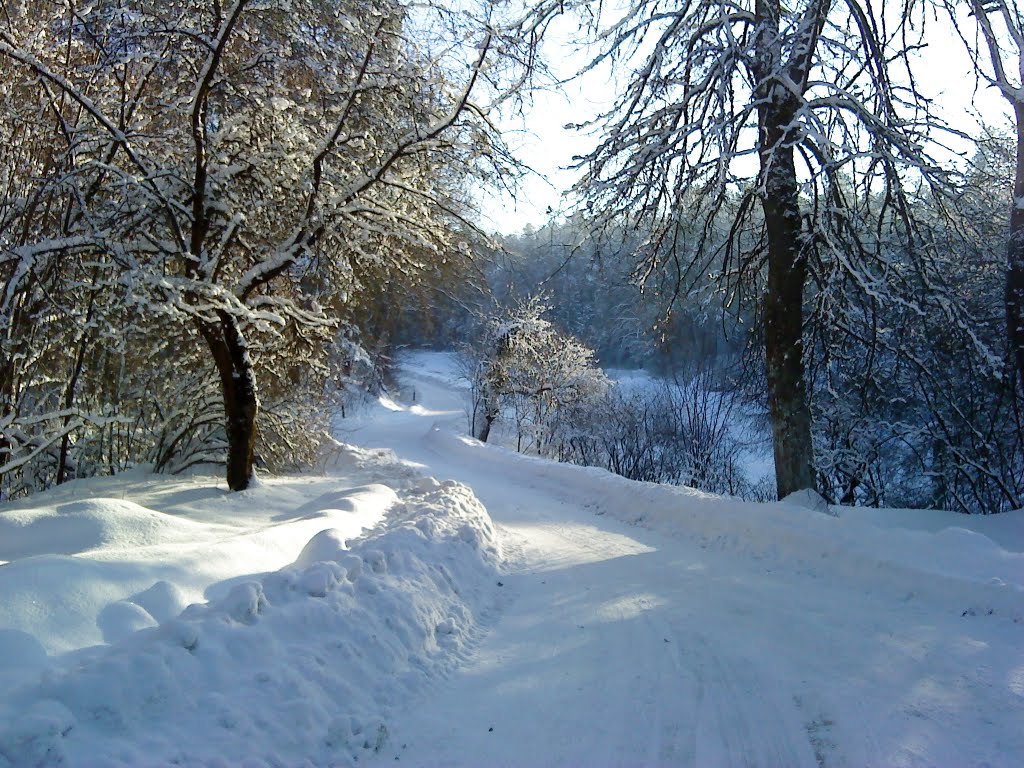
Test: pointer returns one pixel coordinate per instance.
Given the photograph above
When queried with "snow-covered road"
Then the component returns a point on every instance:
(621, 645)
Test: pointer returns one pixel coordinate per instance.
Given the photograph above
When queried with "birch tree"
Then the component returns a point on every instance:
(794, 128)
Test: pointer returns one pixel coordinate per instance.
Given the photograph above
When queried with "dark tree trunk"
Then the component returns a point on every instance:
(485, 429)
(783, 332)
(1015, 256)
(788, 405)
(491, 411)
(494, 382)
(241, 404)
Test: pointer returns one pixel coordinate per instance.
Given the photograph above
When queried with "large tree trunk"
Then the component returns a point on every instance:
(788, 406)
(783, 332)
(1015, 255)
(241, 405)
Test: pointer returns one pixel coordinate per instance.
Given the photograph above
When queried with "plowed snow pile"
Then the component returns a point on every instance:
(301, 664)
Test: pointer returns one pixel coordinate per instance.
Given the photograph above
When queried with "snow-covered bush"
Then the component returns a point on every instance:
(523, 368)
(556, 402)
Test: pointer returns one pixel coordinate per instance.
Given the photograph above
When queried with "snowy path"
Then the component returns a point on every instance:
(622, 646)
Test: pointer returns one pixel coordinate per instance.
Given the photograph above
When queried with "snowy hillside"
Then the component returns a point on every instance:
(376, 614)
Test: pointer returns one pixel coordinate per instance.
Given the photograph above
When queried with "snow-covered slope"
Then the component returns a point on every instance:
(375, 615)
(76, 549)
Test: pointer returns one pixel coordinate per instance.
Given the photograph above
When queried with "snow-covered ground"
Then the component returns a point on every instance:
(295, 645)
(595, 622)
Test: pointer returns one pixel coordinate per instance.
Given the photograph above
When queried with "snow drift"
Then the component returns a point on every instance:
(961, 567)
(302, 664)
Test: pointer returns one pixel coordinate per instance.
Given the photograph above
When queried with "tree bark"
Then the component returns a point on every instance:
(783, 332)
(788, 404)
(1015, 256)
(490, 413)
(241, 404)
(485, 429)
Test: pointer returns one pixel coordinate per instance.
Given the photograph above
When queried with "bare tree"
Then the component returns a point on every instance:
(764, 143)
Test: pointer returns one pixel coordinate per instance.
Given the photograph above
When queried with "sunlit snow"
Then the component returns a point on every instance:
(433, 601)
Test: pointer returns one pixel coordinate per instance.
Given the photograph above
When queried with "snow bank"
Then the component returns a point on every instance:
(963, 568)
(85, 557)
(1005, 529)
(303, 664)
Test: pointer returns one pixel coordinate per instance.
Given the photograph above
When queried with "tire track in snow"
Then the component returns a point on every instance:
(744, 719)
